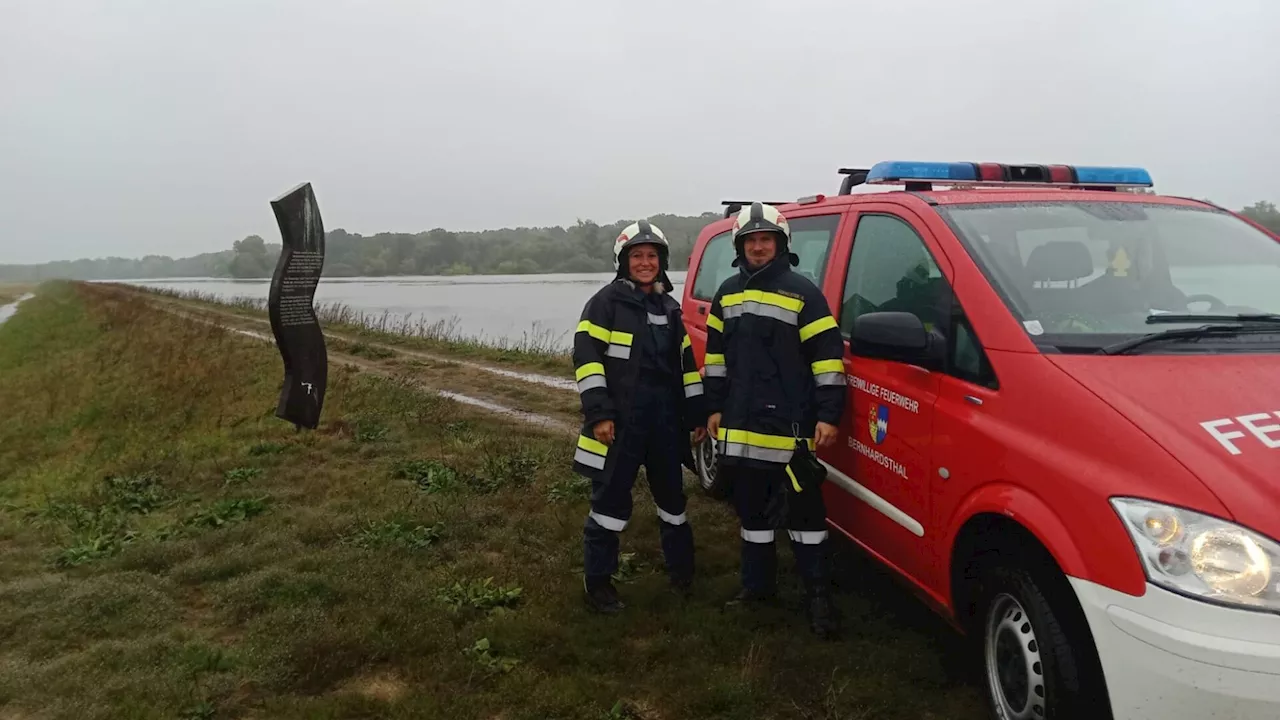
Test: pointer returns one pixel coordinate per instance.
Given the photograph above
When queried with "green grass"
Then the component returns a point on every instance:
(534, 351)
(169, 549)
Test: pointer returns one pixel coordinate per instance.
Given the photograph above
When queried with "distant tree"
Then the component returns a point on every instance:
(1265, 214)
(250, 258)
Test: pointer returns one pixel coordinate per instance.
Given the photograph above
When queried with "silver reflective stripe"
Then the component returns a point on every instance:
(592, 381)
(756, 453)
(670, 519)
(609, 523)
(657, 319)
(589, 459)
(619, 351)
(751, 307)
(808, 537)
(717, 371)
(757, 536)
(693, 390)
(829, 379)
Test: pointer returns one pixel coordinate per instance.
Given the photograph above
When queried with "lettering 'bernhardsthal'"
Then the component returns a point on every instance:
(879, 458)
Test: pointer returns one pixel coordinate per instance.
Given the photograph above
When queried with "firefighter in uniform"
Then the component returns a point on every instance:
(641, 397)
(775, 377)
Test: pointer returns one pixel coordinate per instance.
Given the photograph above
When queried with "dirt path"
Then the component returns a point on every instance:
(537, 399)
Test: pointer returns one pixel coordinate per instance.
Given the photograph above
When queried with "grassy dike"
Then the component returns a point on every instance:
(169, 549)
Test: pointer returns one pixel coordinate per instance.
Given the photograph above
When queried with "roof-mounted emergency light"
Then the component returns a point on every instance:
(922, 175)
(731, 207)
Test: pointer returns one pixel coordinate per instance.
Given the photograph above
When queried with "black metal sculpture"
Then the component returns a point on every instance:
(290, 306)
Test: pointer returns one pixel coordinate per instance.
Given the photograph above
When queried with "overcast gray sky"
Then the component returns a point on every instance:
(130, 127)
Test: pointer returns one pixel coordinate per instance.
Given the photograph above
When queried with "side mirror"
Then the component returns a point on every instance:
(897, 336)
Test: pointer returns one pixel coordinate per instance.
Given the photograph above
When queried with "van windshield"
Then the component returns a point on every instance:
(1079, 274)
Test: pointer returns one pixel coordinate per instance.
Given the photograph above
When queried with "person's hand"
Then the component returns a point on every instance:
(713, 425)
(699, 434)
(825, 434)
(604, 431)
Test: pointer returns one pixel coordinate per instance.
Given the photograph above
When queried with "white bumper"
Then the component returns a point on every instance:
(1168, 657)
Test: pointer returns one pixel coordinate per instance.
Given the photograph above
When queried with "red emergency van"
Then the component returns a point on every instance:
(1063, 425)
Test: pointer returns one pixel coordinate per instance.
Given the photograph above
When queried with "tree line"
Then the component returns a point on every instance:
(582, 247)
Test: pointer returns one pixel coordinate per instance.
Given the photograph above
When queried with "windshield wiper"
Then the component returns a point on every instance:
(1163, 318)
(1184, 333)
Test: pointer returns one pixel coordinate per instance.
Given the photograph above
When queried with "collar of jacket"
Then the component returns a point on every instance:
(626, 290)
(776, 267)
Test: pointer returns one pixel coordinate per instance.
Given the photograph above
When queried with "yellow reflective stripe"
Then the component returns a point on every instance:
(592, 445)
(685, 344)
(817, 326)
(794, 482)
(714, 359)
(594, 330)
(715, 322)
(761, 440)
(692, 377)
(590, 369)
(824, 366)
(762, 296)
(620, 338)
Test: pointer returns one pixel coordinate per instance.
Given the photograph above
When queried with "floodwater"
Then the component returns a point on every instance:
(7, 311)
(512, 308)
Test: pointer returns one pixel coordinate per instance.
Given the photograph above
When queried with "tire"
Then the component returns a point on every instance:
(1038, 658)
(711, 481)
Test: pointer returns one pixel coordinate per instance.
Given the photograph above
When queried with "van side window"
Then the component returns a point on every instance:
(891, 269)
(716, 266)
(966, 360)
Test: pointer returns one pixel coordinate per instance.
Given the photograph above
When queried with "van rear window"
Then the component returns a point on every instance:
(810, 240)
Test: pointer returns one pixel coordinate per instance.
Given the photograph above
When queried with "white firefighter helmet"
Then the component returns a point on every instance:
(639, 233)
(759, 217)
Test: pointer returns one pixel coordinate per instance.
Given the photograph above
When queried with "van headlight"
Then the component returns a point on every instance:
(1203, 556)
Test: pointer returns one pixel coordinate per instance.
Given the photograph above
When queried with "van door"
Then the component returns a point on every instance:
(882, 457)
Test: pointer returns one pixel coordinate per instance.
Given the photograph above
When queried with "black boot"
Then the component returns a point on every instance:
(748, 598)
(682, 586)
(824, 620)
(602, 597)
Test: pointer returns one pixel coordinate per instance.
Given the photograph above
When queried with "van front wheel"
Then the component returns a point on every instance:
(704, 455)
(1037, 665)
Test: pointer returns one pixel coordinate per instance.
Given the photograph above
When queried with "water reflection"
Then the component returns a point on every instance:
(495, 307)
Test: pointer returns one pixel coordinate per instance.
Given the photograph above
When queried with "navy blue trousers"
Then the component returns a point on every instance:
(756, 493)
(649, 438)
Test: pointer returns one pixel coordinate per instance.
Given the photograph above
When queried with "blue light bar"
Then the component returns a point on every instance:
(898, 170)
(1113, 176)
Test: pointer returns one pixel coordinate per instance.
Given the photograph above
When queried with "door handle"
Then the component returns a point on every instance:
(702, 310)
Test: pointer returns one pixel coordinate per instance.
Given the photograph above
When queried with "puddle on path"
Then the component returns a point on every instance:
(7, 311)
